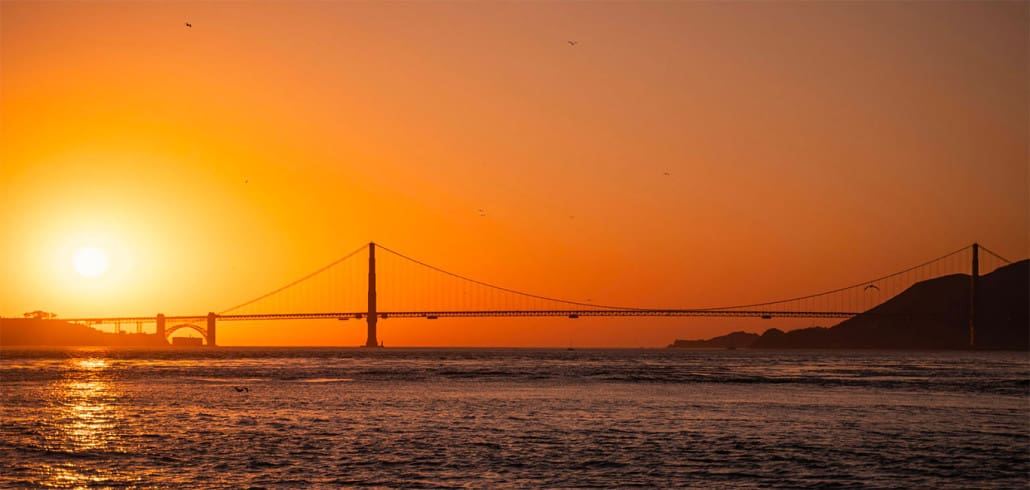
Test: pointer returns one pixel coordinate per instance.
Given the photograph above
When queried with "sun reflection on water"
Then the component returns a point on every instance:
(90, 364)
(83, 421)
(67, 475)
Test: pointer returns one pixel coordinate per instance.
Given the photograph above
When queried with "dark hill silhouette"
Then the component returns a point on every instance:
(38, 331)
(734, 340)
(932, 314)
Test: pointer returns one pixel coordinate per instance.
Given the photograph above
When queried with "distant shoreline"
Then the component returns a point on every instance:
(931, 315)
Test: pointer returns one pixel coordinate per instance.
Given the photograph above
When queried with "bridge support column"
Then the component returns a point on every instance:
(212, 332)
(973, 280)
(160, 320)
(371, 317)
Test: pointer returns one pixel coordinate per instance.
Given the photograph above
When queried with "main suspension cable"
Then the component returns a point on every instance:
(863, 283)
(294, 283)
(507, 290)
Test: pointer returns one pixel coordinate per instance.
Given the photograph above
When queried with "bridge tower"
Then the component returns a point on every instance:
(973, 280)
(160, 320)
(371, 317)
(211, 333)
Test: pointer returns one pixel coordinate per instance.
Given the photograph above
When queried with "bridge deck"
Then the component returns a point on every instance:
(484, 314)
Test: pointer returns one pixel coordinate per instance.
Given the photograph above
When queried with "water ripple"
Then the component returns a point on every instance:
(512, 417)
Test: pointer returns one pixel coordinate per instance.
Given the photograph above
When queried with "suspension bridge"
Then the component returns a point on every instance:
(341, 290)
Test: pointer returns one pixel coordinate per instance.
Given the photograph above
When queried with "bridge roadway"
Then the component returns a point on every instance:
(433, 315)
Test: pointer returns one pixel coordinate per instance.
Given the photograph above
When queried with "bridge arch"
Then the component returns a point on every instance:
(174, 328)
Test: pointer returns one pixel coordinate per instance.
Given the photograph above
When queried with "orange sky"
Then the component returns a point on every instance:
(808, 146)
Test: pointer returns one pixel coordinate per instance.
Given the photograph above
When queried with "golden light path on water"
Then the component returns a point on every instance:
(84, 418)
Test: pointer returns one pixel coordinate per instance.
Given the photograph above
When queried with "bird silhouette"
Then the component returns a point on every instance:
(481, 212)
(189, 25)
(241, 389)
(872, 286)
(573, 43)
(666, 174)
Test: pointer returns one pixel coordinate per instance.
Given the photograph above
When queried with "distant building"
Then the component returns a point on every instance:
(187, 341)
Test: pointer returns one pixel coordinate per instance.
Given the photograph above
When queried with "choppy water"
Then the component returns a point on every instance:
(525, 418)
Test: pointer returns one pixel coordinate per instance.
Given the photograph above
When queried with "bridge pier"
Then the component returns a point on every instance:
(211, 330)
(160, 321)
(372, 340)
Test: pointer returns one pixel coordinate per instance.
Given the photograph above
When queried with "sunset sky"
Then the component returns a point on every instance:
(677, 155)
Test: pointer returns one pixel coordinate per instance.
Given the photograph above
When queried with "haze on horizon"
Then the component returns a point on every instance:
(677, 155)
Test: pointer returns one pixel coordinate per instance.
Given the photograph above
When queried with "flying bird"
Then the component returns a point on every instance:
(241, 389)
(871, 286)
(481, 212)
(573, 43)
(666, 174)
(189, 25)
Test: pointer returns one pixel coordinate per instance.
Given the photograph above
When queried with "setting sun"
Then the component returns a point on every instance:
(90, 261)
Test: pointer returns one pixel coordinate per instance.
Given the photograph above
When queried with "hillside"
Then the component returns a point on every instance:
(23, 331)
(734, 340)
(932, 314)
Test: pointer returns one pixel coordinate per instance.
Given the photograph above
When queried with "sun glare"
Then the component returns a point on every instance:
(90, 261)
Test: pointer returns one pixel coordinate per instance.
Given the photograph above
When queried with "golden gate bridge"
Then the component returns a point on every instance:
(341, 290)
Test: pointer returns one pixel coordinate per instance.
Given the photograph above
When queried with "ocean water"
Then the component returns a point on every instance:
(271, 417)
